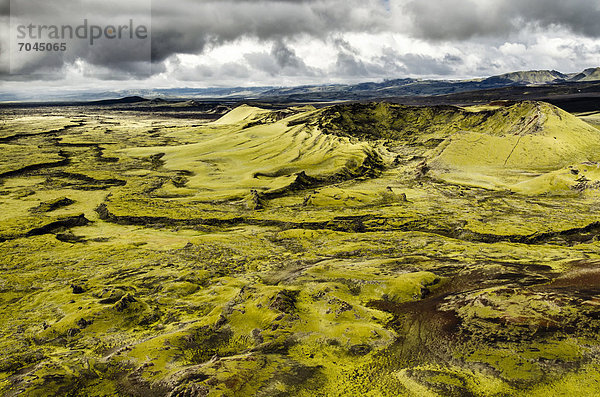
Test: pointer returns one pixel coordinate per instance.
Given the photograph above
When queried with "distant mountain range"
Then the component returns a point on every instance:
(417, 87)
(405, 87)
(545, 77)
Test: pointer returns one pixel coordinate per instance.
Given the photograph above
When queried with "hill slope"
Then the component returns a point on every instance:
(528, 77)
(523, 146)
(526, 147)
(592, 74)
(250, 149)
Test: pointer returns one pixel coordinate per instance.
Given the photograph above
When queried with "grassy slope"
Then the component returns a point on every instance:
(524, 147)
(536, 157)
(589, 75)
(233, 159)
(533, 76)
(373, 273)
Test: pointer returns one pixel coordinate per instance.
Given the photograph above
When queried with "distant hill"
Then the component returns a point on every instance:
(592, 74)
(126, 100)
(528, 77)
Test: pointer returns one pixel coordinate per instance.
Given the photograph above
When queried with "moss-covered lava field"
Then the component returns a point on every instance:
(352, 250)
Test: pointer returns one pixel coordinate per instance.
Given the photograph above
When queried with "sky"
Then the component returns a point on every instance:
(228, 43)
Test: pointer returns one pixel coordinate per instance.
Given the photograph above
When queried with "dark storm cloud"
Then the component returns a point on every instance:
(189, 26)
(286, 57)
(417, 64)
(463, 19)
(114, 58)
(228, 72)
(196, 26)
(350, 66)
(281, 60)
(4, 7)
(425, 65)
(344, 45)
(580, 16)
(208, 23)
(186, 26)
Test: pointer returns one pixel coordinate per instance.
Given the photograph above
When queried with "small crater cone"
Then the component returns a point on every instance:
(389, 196)
(255, 201)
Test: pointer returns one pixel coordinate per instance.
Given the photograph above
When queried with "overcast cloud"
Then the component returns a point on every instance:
(198, 43)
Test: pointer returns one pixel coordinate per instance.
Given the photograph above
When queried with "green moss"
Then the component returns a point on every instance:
(355, 274)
